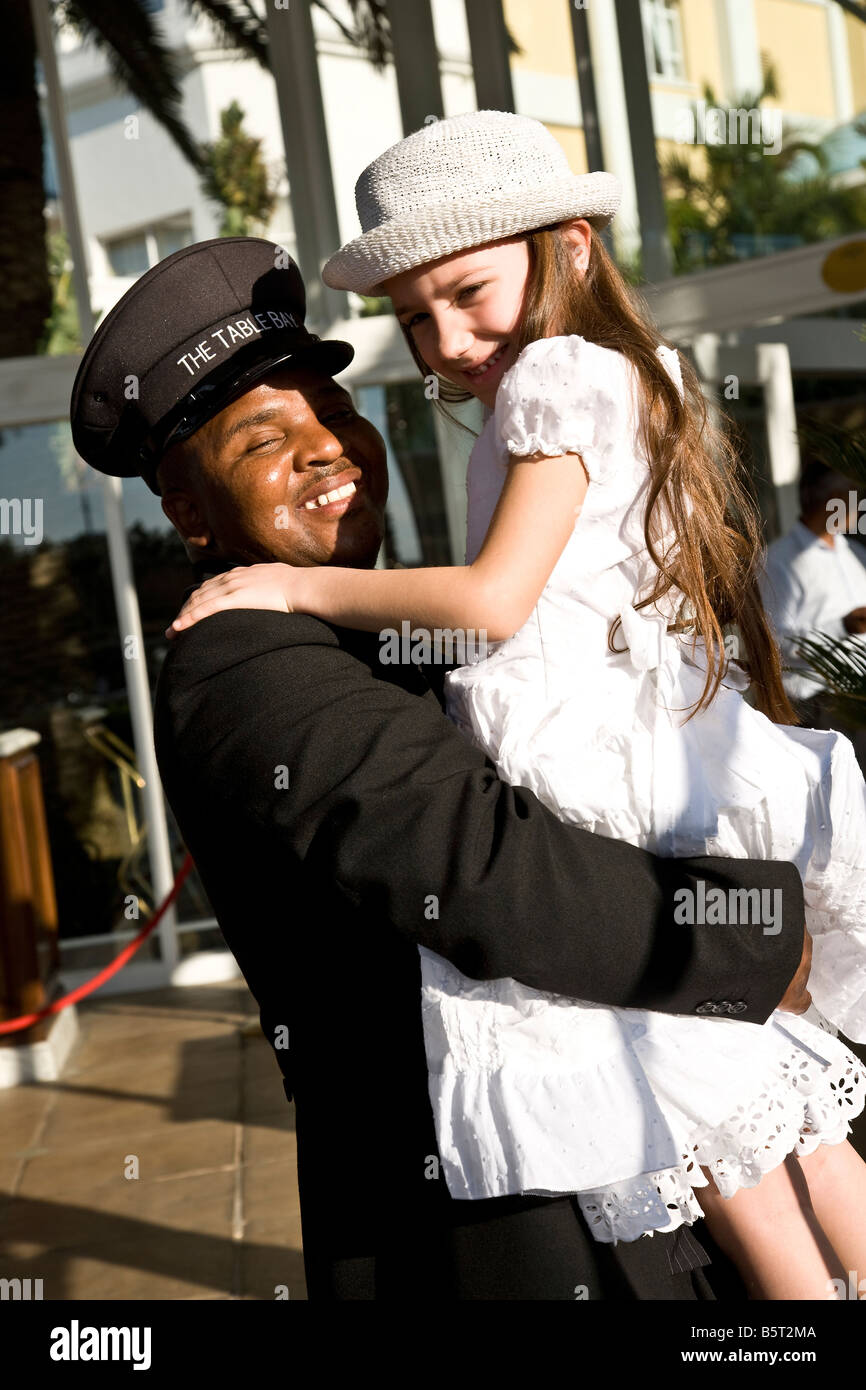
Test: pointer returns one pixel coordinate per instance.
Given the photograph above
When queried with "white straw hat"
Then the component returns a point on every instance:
(460, 183)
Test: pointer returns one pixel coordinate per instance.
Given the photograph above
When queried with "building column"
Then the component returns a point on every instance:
(295, 69)
(774, 373)
(840, 63)
(740, 50)
(586, 87)
(655, 246)
(416, 62)
(592, 140)
(491, 67)
(612, 143)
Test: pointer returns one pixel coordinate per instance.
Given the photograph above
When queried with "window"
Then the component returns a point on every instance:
(131, 255)
(663, 38)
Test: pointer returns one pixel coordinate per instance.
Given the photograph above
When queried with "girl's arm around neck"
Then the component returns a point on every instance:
(533, 520)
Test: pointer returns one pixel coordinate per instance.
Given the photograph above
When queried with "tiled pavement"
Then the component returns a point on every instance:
(173, 1080)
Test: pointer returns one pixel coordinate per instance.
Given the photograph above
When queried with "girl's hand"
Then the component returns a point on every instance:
(247, 586)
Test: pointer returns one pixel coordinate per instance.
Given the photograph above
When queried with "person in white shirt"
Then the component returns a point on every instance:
(815, 581)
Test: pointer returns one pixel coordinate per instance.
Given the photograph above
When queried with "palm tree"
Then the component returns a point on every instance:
(141, 63)
(236, 176)
(743, 193)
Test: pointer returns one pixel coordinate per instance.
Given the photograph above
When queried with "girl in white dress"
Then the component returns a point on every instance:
(611, 561)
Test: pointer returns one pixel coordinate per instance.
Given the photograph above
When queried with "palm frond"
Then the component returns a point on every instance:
(841, 664)
(836, 446)
(237, 26)
(138, 58)
(370, 29)
(854, 7)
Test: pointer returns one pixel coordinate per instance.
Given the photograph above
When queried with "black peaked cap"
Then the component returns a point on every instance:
(191, 334)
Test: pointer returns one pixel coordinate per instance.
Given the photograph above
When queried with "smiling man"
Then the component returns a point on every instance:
(289, 471)
(338, 820)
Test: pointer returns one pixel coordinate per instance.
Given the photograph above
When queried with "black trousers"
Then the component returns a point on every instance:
(514, 1249)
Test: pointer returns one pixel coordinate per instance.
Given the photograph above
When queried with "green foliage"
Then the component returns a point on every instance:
(744, 194)
(62, 333)
(841, 664)
(236, 176)
(374, 305)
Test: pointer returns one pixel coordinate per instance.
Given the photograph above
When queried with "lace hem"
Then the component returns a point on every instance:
(813, 1106)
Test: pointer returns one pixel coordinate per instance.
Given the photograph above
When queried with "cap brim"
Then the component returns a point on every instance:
(210, 397)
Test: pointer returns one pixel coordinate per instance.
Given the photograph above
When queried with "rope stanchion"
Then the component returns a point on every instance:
(17, 1025)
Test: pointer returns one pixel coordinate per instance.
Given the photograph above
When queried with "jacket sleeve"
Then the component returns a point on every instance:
(272, 719)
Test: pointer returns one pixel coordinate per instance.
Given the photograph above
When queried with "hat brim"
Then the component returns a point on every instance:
(364, 264)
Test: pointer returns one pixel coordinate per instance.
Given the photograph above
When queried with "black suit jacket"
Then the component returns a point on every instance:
(325, 797)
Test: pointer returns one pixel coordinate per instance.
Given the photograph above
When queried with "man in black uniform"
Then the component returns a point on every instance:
(327, 801)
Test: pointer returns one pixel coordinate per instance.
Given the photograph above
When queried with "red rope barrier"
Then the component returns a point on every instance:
(17, 1025)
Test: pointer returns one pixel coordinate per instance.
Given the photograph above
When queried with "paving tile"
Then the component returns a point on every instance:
(83, 1117)
(9, 1171)
(22, 1110)
(181, 1266)
(89, 1166)
(166, 1076)
(271, 1206)
(263, 1143)
(118, 1211)
(265, 1096)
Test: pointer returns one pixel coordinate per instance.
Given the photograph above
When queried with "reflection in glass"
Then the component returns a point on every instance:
(62, 671)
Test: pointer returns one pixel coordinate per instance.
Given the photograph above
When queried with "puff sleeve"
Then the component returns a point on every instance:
(570, 396)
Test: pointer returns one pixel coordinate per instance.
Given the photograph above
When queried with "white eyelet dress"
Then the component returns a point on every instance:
(537, 1093)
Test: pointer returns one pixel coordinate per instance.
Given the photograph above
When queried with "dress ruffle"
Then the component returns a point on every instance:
(538, 411)
(804, 1104)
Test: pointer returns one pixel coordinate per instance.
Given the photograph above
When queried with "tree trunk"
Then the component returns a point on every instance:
(23, 253)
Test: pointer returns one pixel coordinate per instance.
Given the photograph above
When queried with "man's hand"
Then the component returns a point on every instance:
(855, 621)
(797, 997)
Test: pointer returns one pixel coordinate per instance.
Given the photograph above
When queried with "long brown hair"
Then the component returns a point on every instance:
(698, 485)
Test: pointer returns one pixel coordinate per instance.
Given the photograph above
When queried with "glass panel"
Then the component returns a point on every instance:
(172, 238)
(413, 442)
(661, 21)
(402, 542)
(127, 256)
(62, 674)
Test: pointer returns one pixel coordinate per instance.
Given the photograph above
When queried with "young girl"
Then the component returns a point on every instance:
(611, 553)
